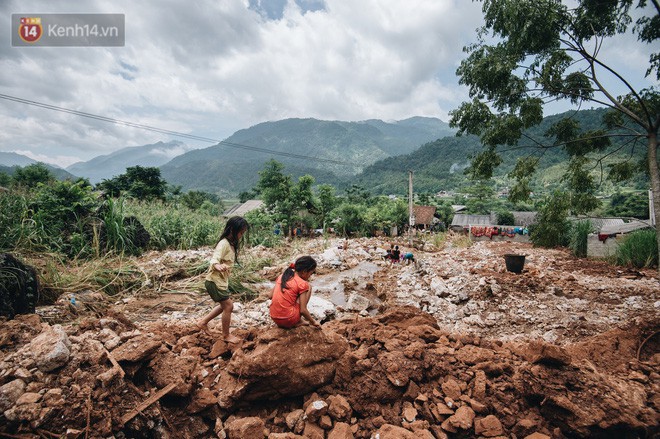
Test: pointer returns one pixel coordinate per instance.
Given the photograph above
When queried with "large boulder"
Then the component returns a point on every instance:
(281, 363)
(19, 287)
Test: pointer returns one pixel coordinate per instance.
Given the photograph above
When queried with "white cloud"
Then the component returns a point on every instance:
(60, 160)
(212, 67)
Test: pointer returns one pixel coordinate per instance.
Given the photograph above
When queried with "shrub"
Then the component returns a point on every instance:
(639, 249)
(552, 227)
(505, 218)
(578, 238)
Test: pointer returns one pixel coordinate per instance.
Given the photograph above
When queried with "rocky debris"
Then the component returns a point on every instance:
(466, 368)
(19, 287)
(279, 363)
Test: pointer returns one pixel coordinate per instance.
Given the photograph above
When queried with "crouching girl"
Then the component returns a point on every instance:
(291, 294)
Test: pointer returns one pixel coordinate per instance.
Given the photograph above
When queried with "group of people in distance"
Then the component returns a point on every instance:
(393, 254)
(290, 295)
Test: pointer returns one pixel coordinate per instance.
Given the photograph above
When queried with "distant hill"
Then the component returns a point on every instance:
(57, 172)
(439, 165)
(9, 159)
(230, 170)
(111, 165)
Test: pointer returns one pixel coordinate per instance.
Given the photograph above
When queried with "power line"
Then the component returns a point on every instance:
(170, 132)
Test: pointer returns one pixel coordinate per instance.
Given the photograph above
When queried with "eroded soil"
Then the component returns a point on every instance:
(451, 346)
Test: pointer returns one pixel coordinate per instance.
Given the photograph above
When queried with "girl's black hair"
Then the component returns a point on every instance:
(234, 225)
(303, 263)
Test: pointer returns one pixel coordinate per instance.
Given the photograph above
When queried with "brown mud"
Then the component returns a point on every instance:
(453, 346)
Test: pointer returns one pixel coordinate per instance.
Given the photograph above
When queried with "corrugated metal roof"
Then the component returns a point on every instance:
(625, 227)
(462, 219)
(242, 209)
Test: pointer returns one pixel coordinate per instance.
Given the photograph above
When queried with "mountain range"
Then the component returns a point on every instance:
(374, 154)
(231, 166)
(107, 166)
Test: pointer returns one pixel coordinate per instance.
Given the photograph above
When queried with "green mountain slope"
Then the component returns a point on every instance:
(230, 170)
(439, 165)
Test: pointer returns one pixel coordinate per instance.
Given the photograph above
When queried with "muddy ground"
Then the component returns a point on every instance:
(451, 346)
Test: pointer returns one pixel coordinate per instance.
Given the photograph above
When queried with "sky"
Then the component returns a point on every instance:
(212, 67)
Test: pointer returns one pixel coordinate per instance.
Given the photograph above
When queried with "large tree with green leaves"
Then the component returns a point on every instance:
(530, 53)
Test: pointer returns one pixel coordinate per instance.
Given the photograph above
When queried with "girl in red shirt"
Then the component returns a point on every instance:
(291, 294)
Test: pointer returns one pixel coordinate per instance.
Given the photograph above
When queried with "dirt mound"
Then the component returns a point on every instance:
(397, 374)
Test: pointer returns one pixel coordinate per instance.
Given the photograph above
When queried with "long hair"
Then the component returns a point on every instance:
(233, 227)
(303, 263)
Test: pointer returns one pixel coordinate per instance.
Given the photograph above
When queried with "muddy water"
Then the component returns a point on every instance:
(331, 286)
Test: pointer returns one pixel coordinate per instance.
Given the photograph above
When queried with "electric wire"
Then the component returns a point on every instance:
(170, 132)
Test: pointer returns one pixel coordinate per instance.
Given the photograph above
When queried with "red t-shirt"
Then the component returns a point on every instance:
(284, 304)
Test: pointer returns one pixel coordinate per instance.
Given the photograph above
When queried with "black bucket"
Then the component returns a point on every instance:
(514, 263)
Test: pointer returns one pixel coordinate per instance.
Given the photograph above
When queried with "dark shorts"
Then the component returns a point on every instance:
(216, 294)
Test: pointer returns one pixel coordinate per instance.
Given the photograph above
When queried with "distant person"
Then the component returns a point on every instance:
(291, 294)
(217, 279)
(408, 257)
(396, 254)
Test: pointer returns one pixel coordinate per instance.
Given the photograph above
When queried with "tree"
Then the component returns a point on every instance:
(5, 179)
(143, 183)
(31, 175)
(326, 201)
(281, 196)
(544, 51)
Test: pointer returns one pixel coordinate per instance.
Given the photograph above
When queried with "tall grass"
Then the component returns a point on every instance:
(578, 238)
(639, 249)
(176, 227)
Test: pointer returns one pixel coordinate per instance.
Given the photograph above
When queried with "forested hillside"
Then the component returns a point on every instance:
(440, 165)
(234, 169)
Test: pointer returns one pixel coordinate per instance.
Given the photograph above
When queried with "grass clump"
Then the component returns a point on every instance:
(578, 238)
(639, 249)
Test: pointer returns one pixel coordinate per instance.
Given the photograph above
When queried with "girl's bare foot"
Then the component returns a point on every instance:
(204, 327)
(232, 339)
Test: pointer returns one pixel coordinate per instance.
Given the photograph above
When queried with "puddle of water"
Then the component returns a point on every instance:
(331, 287)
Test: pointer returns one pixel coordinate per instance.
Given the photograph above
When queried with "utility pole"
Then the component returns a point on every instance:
(411, 212)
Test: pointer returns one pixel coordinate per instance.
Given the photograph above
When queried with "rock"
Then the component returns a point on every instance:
(478, 407)
(315, 410)
(389, 431)
(357, 303)
(201, 400)
(10, 392)
(489, 426)
(339, 408)
(137, 349)
(54, 398)
(325, 422)
(471, 354)
(313, 431)
(172, 368)
(462, 420)
(19, 288)
(409, 412)
(320, 308)
(281, 363)
(452, 389)
(479, 390)
(552, 355)
(28, 398)
(341, 431)
(220, 347)
(25, 412)
(537, 436)
(245, 428)
(294, 421)
(50, 349)
(284, 436)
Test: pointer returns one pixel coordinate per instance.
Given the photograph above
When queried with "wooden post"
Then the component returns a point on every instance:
(411, 211)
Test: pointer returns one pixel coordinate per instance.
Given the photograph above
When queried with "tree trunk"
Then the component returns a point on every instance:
(654, 171)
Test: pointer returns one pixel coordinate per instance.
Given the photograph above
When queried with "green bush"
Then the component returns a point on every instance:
(552, 228)
(639, 249)
(505, 218)
(578, 238)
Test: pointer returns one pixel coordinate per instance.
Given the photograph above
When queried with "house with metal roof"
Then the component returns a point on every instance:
(242, 208)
